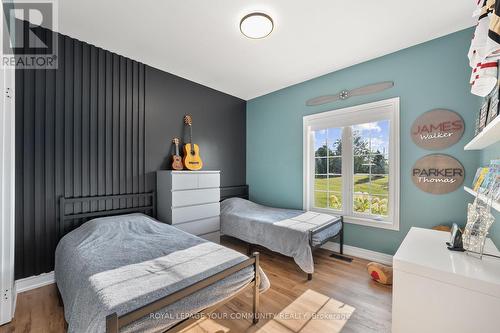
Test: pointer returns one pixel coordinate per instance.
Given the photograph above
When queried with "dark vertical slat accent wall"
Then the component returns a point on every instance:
(103, 124)
(79, 132)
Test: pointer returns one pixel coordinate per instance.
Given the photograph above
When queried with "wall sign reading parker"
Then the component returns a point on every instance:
(438, 174)
(437, 129)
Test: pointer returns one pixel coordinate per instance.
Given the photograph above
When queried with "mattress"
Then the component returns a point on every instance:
(285, 231)
(118, 264)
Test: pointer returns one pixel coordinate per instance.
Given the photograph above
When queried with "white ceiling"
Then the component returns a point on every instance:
(200, 39)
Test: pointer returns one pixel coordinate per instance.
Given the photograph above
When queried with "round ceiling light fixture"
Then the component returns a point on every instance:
(256, 25)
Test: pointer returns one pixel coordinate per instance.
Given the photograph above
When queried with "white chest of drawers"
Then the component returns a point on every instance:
(436, 290)
(189, 200)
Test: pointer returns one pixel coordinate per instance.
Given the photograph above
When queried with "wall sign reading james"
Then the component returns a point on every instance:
(437, 129)
(438, 174)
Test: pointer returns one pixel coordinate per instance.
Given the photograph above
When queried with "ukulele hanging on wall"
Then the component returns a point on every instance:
(176, 157)
(192, 159)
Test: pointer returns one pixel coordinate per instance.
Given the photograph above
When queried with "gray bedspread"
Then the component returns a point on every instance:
(285, 231)
(118, 264)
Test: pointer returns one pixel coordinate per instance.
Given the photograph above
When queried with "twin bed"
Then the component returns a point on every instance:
(123, 271)
(293, 233)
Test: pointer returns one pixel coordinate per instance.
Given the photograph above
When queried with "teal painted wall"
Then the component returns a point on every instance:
(491, 153)
(427, 76)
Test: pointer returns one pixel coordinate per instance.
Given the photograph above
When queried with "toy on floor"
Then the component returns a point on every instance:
(380, 273)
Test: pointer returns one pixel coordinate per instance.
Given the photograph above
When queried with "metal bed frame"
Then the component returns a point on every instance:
(149, 209)
(115, 322)
(242, 192)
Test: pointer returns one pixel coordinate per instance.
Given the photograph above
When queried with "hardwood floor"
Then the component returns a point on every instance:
(38, 310)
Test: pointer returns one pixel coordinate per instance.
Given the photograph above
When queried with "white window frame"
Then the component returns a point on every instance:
(382, 110)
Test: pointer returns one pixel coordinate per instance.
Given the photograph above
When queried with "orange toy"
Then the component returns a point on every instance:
(380, 273)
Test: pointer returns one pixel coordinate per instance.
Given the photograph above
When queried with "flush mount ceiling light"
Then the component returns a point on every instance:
(256, 25)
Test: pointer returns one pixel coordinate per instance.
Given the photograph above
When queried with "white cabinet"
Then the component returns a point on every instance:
(437, 290)
(189, 200)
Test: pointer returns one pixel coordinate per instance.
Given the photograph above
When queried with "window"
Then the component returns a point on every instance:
(351, 163)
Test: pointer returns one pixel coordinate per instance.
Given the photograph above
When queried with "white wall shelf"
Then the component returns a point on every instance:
(495, 205)
(488, 136)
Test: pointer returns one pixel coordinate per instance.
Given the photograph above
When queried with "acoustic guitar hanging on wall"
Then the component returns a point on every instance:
(192, 159)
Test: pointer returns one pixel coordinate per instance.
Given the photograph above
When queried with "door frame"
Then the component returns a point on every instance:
(7, 194)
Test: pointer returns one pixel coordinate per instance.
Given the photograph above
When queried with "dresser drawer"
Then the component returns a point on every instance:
(208, 180)
(195, 197)
(212, 237)
(190, 213)
(200, 227)
(184, 181)
(194, 180)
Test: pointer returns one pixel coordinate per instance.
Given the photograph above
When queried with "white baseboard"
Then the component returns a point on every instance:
(34, 282)
(379, 257)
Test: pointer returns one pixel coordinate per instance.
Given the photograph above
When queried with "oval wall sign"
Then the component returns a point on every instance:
(438, 174)
(437, 129)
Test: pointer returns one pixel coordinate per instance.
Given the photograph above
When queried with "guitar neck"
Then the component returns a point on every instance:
(191, 138)
(177, 149)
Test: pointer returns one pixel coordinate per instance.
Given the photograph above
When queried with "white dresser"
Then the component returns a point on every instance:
(437, 290)
(189, 200)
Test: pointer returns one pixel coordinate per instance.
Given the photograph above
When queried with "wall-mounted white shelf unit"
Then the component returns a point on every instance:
(488, 136)
(495, 205)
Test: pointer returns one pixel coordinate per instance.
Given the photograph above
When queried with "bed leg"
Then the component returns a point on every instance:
(309, 276)
(112, 323)
(342, 237)
(59, 298)
(256, 292)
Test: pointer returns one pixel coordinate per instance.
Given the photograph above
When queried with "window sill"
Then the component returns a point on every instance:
(367, 222)
(372, 223)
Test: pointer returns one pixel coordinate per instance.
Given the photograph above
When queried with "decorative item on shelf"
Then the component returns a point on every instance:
(437, 129)
(438, 174)
(479, 217)
(483, 114)
(192, 159)
(496, 190)
(484, 78)
(380, 273)
(479, 177)
(493, 106)
(483, 51)
(176, 157)
(486, 178)
(476, 125)
(345, 94)
(479, 221)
